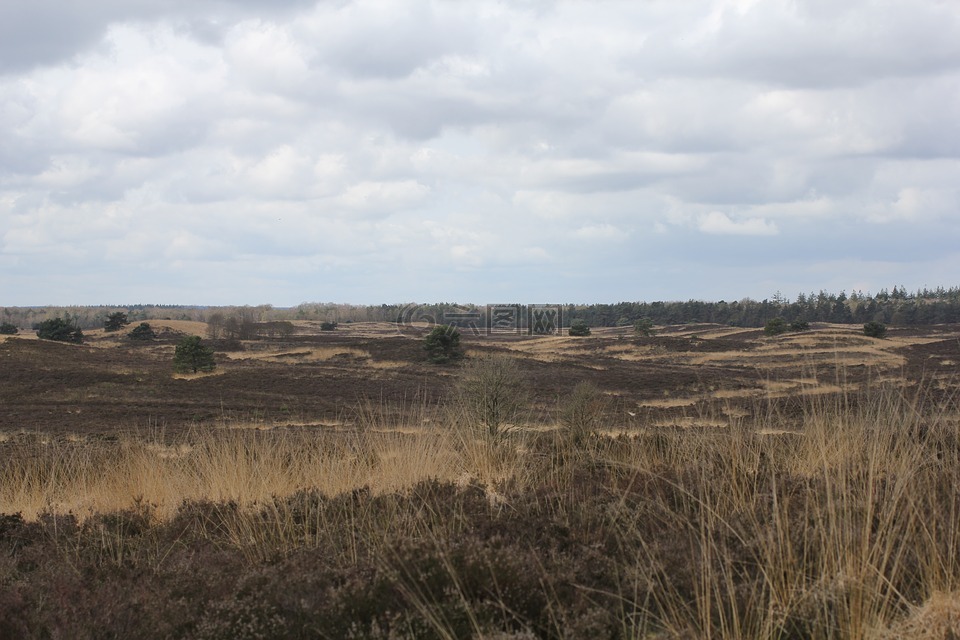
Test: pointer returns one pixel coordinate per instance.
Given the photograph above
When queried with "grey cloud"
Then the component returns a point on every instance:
(44, 32)
(810, 44)
(477, 151)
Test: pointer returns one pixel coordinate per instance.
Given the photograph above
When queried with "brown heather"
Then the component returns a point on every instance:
(839, 521)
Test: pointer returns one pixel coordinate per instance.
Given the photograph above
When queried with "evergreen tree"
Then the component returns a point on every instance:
(644, 327)
(115, 321)
(579, 328)
(143, 331)
(875, 329)
(191, 356)
(443, 344)
(60, 330)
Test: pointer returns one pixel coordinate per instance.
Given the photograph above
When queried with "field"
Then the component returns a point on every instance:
(714, 483)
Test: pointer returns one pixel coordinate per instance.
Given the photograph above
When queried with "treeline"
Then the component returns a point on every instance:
(897, 307)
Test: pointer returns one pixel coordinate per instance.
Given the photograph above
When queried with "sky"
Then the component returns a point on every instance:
(378, 151)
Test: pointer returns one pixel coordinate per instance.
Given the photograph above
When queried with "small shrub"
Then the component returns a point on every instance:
(60, 330)
(327, 325)
(191, 356)
(143, 331)
(581, 414)
(8, 329)
(775, 327)
(443, 344)
(491, 394)
(875, 329)
(644, 327)
(579, 328)
(799, 325)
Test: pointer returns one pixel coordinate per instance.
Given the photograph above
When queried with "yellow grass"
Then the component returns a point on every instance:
(188, 327)
(317, 354)
(200, 374)
(669, 403)
(249, 467)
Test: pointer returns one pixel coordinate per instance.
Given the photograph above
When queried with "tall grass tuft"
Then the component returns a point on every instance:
(840, 523)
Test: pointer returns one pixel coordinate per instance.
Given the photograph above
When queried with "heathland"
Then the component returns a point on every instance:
(704, 481)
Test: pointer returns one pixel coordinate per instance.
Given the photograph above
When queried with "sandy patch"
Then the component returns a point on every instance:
(735, 393)
(188, 327)
(690, 422)
(196, 376)
(318, 354)
(668, 403)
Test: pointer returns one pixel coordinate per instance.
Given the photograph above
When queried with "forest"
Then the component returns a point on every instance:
(895, 307)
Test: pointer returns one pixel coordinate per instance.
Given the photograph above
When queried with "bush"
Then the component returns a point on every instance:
(8, 329)
(579, 328)
(775, 327)
(581, 414)
(191, 356)
(443, 344)
(643, 327)
(875, 329)
(143, 331)
(328, 326)
(115, 321)
(799, 325)
(491, 395)
(60, 330)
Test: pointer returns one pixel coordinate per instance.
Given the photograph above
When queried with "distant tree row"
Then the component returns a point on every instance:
(241, 327)
(896, 307)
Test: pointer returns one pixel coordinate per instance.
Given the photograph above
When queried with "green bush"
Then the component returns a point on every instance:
(328, 326)
(775, 327)
(799, 325)
(143, 331)
(191, 356)
(579, 328)
(643, 327)
(60, 330)
(443, 344)
(8, 329)
(875, 329)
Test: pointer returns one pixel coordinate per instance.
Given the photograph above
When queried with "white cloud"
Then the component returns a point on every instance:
(601, 232)
(374, 142)
(719, 223)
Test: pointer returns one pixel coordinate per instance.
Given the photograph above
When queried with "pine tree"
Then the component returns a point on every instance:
(191, 356)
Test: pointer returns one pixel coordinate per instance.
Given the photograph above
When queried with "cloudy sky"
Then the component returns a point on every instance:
(369, 151)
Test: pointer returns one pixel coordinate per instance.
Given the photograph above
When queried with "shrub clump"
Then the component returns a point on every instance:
(60, 330)
(192, 357)
(775, 327)
(443, 344)
(143, 332)
(644, 327)
(491, 395)
(581, 414)
(875, 330)
(579, 328)
(8, 329)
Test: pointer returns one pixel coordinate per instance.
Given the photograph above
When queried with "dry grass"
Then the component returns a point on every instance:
(318, 354)
(249, 467)
(842, 523)
(219, 371)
